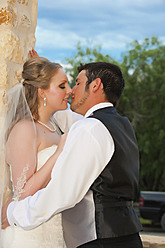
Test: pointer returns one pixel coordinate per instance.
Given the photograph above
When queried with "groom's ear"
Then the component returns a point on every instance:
(97, 84)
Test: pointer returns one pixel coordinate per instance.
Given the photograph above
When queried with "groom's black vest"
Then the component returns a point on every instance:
(106, 210)
(116, 186)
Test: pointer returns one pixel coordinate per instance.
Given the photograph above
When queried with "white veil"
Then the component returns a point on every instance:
(14, 109)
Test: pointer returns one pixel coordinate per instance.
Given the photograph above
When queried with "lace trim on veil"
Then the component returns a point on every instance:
(21, 181)
(15, 109)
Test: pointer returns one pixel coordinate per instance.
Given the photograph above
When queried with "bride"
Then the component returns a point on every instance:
(33, 141)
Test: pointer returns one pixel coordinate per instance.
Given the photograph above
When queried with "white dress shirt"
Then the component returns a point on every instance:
(88, 149)
(66, 118)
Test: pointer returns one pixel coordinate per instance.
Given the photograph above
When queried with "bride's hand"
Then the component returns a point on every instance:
(62, 142)
(33, 53)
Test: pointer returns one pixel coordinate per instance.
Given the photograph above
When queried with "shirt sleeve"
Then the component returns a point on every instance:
(88, 149)
(65, 118)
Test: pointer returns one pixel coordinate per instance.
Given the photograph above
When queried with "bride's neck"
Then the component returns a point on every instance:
(44, 116)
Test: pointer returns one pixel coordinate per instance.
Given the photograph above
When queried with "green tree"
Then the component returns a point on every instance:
(85, 54)
(143, 101)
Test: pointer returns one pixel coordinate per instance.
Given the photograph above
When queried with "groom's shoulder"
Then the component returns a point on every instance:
(86, 123)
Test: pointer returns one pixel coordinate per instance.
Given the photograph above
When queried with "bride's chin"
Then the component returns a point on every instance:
(65, 107)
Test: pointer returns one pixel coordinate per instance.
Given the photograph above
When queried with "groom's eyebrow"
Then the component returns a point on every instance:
(78, 79)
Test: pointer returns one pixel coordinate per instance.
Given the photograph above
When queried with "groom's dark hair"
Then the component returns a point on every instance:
(111, 78)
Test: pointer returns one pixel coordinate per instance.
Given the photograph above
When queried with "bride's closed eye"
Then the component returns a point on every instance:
(62, 86)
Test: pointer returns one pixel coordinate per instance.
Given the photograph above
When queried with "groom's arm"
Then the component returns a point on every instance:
(88, 149)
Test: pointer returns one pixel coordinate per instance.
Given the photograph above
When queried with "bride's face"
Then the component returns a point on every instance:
(58, 92)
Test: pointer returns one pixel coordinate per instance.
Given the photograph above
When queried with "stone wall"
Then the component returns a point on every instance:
(18, 19)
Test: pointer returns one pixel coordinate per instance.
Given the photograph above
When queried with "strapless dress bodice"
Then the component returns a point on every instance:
(44, 154)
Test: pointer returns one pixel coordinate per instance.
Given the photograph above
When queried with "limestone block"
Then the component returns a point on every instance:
(18, 20)
(25, 21)
(23, 2)
(5, 16)
(8, 15)
(3, 73)
(9, 43)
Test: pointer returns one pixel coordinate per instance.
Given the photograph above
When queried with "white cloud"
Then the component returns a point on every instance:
(66, 39)
(55, 39)
(111, 24)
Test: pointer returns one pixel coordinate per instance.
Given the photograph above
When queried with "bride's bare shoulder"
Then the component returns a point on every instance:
(20, 139)
(23, 128)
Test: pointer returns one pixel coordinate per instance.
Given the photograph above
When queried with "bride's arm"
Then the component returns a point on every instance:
(66, 118)
(21, 155)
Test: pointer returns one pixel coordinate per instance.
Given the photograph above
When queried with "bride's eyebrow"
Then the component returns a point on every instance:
(63, 81)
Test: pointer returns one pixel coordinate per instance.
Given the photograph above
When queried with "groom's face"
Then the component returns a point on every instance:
(80, 96)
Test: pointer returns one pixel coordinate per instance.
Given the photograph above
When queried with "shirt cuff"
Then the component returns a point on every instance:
(10, 216)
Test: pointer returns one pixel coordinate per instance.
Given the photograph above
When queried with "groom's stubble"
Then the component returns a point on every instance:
(78, 106)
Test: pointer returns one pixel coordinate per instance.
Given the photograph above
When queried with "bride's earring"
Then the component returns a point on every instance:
(44, 101)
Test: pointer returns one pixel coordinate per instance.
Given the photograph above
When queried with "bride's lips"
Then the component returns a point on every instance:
(66, 100)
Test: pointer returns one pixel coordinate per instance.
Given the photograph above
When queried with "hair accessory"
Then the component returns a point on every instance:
(44, 101)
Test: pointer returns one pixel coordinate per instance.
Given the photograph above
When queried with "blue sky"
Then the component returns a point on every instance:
(113, 24)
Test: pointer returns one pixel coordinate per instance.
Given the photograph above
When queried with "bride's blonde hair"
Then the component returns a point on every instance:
(37, 73)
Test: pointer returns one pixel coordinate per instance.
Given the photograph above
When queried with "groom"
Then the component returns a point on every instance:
(95, 179)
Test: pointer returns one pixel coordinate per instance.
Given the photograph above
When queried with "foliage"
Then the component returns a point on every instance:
(143, 101)
(85, 54)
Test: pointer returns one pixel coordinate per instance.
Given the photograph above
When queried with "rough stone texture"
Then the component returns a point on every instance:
(18, 19)
(151, 241)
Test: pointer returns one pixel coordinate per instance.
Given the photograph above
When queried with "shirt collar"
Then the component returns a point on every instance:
(98, 106)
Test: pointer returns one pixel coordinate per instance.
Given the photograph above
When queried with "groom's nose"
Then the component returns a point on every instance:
(73, 89)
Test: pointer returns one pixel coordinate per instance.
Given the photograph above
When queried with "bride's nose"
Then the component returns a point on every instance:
(69, 90)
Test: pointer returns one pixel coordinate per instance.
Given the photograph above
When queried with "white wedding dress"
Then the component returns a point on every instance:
(47, 235)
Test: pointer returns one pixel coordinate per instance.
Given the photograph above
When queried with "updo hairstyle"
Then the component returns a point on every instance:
(37, 73)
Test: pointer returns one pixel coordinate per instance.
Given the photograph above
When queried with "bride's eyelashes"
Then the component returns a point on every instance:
(62, 86)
